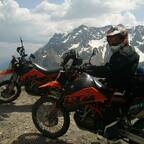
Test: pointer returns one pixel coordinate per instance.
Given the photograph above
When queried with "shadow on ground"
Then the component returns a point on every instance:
(11, 107)
(35, 138)
(5, 109)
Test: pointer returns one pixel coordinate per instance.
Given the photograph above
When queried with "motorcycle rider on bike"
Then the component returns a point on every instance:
(123, 62)
(120, 68)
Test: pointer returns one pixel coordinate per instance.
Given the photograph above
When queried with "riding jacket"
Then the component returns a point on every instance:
(120, 68)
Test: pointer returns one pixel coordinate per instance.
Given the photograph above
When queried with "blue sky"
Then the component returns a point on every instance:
(28, 3)
(32, 3)
(139, 13)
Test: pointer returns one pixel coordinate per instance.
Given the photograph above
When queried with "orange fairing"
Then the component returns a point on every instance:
(51, 84)
(5, 72)
(32, 73)
(86, 92)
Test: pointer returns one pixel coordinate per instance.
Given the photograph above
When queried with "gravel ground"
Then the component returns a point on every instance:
(16, 127)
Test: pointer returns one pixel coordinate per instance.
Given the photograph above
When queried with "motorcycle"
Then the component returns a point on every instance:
(90, 100)
(24, 72)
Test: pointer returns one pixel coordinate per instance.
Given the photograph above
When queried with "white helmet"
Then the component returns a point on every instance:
(117, 36)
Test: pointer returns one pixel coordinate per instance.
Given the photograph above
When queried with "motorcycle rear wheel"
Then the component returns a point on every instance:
(47, 120)
(7, 96)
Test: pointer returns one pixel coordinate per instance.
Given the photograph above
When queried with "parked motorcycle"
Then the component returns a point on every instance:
(94, 105)
(25, 73)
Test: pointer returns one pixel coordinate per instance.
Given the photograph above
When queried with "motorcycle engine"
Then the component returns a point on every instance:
(88, 120)
(32, 86)
(93, 121)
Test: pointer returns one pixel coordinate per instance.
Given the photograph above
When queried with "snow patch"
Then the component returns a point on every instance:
(74, 46)
(80, 31)
(140, 43)
(84, 49)
(65, 34)
(85, 28)
(65, 40)
(140, 54)
(97, 43)
(44, 56)
(130, 37)
(76, 34)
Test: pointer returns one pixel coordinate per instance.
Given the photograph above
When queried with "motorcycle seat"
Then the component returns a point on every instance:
(44, 70)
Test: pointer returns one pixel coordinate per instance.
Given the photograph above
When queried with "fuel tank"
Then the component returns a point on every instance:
(83, 81)
(83, 90)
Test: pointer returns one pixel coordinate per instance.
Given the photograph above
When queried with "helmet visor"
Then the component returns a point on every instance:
(114, 40)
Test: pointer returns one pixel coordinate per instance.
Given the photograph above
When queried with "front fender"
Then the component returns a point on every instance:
(54, 84)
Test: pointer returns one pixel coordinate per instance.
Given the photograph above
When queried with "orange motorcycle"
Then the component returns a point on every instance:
(24, 72)
(94, 105)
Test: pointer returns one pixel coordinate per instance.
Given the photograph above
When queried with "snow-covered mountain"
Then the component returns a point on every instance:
(84, 39)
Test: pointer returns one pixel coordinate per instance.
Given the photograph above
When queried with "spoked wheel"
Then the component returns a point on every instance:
(50, 121)
(8, 94)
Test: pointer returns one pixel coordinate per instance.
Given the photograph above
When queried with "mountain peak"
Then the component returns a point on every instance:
(84, 39)
(81, 28)
(121, 25)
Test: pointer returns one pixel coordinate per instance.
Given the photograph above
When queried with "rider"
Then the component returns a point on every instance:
(123, 62)
(120, 68)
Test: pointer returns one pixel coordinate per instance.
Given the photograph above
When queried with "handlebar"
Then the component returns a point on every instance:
(77, 61)
(21, 51)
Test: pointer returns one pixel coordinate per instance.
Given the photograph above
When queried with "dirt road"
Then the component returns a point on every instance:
(16, 127)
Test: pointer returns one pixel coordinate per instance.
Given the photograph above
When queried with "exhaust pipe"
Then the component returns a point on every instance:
(132, 137)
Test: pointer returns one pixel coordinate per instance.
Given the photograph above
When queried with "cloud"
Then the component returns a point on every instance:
(97, 8)
(16, 21)
(122, 5)
(51, 10)
(38, 24)
(85, 9)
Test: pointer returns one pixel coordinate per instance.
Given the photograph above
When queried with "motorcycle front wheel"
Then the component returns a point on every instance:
(51, 121)
(8, 95)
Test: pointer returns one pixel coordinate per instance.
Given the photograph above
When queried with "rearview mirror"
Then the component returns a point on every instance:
(95, 51)
(18, 49)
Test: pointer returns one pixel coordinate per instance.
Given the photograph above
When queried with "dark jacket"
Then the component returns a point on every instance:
(119, 70)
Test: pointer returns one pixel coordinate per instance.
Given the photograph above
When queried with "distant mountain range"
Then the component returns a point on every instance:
(84, 39)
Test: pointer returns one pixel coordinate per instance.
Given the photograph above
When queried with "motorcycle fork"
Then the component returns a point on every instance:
(54, 110)
(59, 102)
(11, 85)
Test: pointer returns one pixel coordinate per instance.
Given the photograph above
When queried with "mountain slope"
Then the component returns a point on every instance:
(84, 39)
